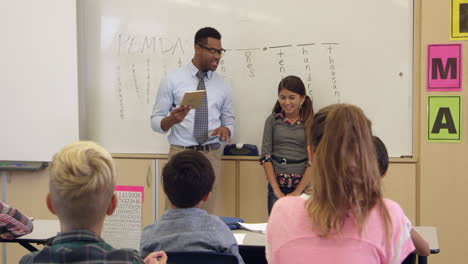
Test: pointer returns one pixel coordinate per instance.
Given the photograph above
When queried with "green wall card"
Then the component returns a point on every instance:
(444, 119)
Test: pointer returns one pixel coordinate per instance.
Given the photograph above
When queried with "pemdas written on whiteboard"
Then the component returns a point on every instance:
(141, 61)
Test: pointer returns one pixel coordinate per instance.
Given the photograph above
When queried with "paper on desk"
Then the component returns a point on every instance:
(239, 238)
(259, 227)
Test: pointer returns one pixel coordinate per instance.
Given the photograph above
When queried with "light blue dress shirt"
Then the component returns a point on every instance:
(172, 90)
(188, 229)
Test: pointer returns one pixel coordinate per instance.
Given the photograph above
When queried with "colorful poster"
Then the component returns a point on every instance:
(122, 229)
(444, 119)
(444, 67)
(459, 20)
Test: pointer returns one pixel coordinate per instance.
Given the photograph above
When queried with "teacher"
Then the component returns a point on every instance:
(204, 129)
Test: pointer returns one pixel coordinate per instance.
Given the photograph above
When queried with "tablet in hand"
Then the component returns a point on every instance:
(193, 98)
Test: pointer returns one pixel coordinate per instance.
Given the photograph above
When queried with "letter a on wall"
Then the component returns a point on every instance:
(444, 67)
(444, 119)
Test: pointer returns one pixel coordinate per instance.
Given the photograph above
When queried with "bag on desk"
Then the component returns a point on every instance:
(231, 222)
(241, 150)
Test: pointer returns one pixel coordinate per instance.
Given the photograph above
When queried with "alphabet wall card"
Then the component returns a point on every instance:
(444, 119)
(122, 229)
(444, 67)
(459, 20)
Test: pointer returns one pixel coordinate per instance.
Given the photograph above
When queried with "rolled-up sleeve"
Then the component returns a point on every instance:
(162, 106)
(12, 223)
(227, 113)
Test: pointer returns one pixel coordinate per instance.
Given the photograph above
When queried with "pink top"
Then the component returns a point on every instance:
(291, 238)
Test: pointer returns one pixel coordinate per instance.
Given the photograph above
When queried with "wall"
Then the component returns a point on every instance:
(39, 77)
(442, 167)
(440, 178)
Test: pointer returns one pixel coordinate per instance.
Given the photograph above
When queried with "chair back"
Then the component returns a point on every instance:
(410, 259)
(200, 257)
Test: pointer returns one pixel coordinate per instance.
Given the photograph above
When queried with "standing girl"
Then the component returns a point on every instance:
(284, 153)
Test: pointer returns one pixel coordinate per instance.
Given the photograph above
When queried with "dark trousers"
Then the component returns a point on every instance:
(272, 198)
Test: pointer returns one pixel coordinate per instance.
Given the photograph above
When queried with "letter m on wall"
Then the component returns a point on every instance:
(444, 67)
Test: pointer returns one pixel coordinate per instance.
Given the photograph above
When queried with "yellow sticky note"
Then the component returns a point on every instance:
(459, 20)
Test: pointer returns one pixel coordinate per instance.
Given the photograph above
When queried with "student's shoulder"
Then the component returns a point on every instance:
(392, 206)
(289, 206)
(150, 228)
(29, 258)
(149, 232)
(214, 220)
(126, 254)
(289, 217)
(270, 118)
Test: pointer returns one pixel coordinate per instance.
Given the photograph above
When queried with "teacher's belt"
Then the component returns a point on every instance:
(207, 147)
(288, 161)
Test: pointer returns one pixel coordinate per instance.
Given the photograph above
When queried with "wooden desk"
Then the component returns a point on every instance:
(43, 232)
(252, 244)
(429, 233)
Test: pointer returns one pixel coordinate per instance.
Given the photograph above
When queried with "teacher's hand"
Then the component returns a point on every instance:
(224, 134)
(178, 114)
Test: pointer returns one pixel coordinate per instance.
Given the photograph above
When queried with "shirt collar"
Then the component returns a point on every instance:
(76, 235)
(285, 119)
(182, 212)
(194, 70)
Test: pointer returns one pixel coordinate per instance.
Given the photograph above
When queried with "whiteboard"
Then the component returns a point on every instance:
(357, 52)
(39, 78)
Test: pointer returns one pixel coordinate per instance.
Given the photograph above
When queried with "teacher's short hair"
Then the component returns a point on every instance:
(204, 33)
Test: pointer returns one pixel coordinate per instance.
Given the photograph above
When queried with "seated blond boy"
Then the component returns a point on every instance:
(81, 194)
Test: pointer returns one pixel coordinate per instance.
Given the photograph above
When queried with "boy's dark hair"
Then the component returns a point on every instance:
(318, 125)
(382, 155)
(187, 177)
(204, 33)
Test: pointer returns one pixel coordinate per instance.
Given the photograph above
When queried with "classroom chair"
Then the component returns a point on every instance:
(410, 259)
(200, 257)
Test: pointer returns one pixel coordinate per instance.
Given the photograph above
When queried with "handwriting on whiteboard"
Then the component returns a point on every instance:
(141, 61)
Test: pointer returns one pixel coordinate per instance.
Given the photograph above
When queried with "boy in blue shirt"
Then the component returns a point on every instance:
(188, 179)
(422, 248)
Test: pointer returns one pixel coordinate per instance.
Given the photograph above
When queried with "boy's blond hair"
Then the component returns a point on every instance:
(82, 180)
